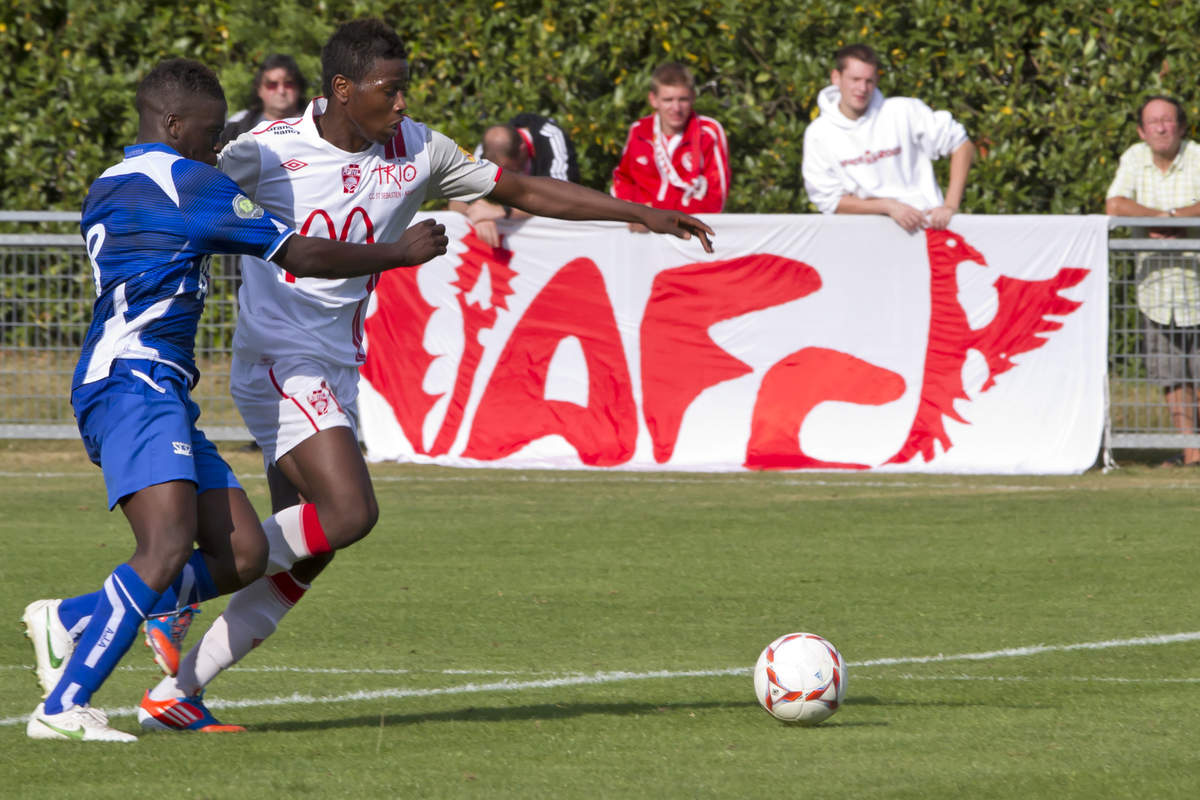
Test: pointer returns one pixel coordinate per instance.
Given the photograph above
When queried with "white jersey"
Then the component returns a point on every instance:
(887, 152)
(321, 190)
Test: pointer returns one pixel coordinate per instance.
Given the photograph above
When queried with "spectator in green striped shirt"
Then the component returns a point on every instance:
(1160, 177)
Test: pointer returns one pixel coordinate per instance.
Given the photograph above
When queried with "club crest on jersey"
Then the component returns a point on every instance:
(246, 208)
(686, 160)
(351, 175)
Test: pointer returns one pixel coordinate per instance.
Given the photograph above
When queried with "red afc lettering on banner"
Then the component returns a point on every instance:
(1017, 328)
(513, 410)
(798, 384)
(679, 359)
(400, 335)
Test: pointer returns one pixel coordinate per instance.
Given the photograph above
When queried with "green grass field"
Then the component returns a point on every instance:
(590, 635)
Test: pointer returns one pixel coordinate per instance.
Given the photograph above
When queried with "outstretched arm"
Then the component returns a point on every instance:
(312, 257)
(547, 197)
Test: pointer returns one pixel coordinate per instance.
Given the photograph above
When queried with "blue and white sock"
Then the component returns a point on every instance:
(194, 584)
(123, 605)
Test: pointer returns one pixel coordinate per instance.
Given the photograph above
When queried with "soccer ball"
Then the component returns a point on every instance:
(800, 678)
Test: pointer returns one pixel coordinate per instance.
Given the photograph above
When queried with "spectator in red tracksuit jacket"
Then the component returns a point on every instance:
(674, 158)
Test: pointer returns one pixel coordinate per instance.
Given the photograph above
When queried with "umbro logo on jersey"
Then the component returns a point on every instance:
(642, 160)
(293, 165)
(182, 448)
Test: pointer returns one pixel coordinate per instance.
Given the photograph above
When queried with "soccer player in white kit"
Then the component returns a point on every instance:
(353, 168)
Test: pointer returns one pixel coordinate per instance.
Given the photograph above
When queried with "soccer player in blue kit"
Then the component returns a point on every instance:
(151, 223)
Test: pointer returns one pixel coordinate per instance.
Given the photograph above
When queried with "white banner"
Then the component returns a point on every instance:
(803, 342)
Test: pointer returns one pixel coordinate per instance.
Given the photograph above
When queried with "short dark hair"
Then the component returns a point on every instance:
(859, 52)
(672, 74)
(181, 76)
(1180, 114)
(355, 47)
(254, 103)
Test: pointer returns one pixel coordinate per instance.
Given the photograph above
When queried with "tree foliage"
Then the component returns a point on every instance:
(1047, 92)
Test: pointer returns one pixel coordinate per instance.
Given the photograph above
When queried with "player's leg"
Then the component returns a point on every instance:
(301, 412)
(163, 518)
(234, 550)
(231, 535)
(285, 408)
(143, 409)
(328, 470)
(254, 613)
(283, 495)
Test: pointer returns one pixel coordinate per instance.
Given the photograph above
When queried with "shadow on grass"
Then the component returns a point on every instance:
(553, 711)
(544, 711)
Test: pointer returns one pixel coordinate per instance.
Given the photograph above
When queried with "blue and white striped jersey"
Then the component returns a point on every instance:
(151, 224)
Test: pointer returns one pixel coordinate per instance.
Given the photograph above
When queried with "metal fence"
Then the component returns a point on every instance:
(1143, 270)
(46, 296)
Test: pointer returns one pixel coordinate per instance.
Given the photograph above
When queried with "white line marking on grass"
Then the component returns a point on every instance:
(367, 671)
(598, 678)
(1032, 650)
(908, 676)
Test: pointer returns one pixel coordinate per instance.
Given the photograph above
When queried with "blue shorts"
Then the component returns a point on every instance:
(139, 425)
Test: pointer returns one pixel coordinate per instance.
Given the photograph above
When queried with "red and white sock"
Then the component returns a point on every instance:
(294, 534)
(252, 615)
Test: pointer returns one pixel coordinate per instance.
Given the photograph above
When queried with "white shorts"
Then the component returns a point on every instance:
(285, 402)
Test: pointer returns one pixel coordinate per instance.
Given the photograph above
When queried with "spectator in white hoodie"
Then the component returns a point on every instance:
(868, 155)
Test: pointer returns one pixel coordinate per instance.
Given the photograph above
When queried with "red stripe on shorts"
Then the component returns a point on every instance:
(296, 402)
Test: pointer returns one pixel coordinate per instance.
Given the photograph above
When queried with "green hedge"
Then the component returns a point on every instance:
(1046, 92)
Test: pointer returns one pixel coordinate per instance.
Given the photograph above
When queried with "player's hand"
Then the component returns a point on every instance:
(906, 216)
(678, 224)
(939, 218)
(637, 227)
(423, 241)
(487, 232)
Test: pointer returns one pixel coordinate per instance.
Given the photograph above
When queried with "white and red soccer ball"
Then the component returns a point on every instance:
(800, 678)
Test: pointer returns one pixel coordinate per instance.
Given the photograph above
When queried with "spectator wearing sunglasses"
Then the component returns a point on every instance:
(278, 93)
